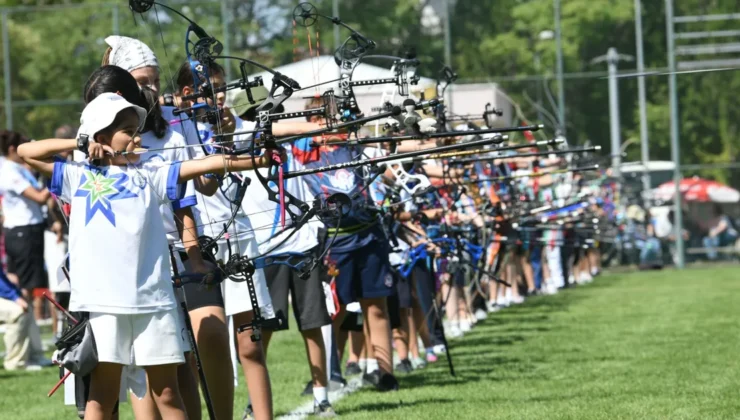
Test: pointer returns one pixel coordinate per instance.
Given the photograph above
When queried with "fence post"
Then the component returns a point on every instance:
(6, 73)
(225, 21)
(116, 27)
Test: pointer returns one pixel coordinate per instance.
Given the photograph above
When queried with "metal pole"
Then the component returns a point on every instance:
(6, 73)
(448, 50)
(116, 25)
(612, 58)
(335, 12)
(225, 22)
(644, 146)
(538, 70)
(675, 151)
(559, 53)
(337, 39)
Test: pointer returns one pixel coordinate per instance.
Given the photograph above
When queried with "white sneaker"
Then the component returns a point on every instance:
(453, 332)
(439, 349)
(480, 314)
(516, 300)
(465, 326)
(493, 307)
(571, 279)
(33, 368)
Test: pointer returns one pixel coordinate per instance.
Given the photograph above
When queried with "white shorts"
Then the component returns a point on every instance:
(236, 294)
(138, 339)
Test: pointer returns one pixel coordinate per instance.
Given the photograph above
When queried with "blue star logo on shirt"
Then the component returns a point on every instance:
(100, 189)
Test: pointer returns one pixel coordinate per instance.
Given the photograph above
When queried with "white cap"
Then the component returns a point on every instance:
(102, 111)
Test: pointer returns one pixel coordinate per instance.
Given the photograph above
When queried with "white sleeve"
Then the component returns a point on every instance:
(64, 177)
(13, 181)
(164, 181)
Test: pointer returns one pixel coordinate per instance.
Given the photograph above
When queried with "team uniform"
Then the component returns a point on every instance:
(213, 212)
(24, 226)
(307, 295)
(360, 249)
(115, 212)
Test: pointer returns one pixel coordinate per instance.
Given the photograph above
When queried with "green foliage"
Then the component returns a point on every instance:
(53, 51)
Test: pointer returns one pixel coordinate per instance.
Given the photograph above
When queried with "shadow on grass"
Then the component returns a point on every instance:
(388, 406)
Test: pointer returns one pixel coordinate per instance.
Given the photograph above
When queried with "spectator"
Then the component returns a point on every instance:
(721, 233)
(55, 246)
(22, 338)
(24, 225)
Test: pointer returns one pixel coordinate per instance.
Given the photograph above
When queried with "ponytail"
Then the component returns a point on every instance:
(106, 57)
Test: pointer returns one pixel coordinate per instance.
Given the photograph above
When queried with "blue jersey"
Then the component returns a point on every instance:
(359, 227)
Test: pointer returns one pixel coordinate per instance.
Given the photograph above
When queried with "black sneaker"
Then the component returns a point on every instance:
(248, 413)
(404, 366)
(323, 409)
(352, 369)
(372, 378)
(388, 382)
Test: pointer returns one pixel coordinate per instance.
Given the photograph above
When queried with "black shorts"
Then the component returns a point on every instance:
(307, 296)
(197, 296)
(352, 322)
(24, 246)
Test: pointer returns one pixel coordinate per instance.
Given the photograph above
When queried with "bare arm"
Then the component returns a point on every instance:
(39, 154)
(38, 196)
(189, 235)
(219, 165)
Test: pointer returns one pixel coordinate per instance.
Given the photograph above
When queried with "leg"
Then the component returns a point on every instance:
(212, 337)
(252, 358)
(163, 383)
(376, 316)
(316, 353)
(16, 338)
(105, 382)
(401, 335)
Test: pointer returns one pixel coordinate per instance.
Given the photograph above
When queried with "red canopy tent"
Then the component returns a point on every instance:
(698, 190)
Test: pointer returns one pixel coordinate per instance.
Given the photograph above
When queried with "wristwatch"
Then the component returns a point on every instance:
(168, 99)
(83, 142)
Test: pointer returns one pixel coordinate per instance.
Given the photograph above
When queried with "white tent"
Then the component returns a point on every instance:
(463, 98)
(323, 69)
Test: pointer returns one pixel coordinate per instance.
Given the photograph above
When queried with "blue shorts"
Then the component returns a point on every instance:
(364, 273)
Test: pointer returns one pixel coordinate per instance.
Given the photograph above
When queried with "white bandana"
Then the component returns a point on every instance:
(130, 54)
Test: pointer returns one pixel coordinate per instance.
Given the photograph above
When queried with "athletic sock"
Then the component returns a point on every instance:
(372, 365)
(320, 394)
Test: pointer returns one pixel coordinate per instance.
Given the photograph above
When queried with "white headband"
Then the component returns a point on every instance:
(129, 53)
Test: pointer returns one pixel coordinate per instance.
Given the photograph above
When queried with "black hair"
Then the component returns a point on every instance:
(114, 79)
(11, 138)
(185, 74)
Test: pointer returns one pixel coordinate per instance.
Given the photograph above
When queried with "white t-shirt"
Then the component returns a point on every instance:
(174, 143)
(18, 210)
(211, 213)
(119, 257)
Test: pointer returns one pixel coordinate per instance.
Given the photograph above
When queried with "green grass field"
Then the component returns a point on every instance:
(652, 345)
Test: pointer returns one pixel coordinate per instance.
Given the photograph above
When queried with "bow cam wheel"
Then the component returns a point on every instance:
(305, 14)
